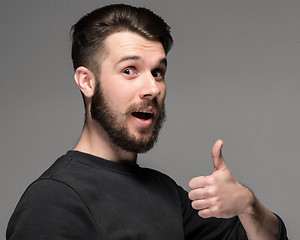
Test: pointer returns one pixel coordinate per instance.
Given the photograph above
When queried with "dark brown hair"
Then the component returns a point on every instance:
(92, 29)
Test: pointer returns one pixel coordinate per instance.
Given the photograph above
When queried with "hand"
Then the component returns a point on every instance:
(219, 195)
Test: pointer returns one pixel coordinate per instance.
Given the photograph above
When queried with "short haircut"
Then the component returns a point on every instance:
(92, 29)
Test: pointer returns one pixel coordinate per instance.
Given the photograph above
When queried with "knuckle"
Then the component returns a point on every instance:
(216, 211)
(211, 180)
(212, 191)
(214, 201)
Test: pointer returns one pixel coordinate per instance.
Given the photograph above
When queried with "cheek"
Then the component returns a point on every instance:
(120, 97)
(116, 91)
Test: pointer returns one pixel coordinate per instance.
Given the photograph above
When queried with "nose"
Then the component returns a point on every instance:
(151, 88)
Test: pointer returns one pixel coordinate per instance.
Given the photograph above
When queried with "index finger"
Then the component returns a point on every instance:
(197, 182)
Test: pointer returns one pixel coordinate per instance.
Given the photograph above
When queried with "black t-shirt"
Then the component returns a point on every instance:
(86, 197)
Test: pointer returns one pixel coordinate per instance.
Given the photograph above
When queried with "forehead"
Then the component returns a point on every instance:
(120, 44)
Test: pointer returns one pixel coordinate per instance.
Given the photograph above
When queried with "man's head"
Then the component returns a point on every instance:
(119, 55)
(91, 30)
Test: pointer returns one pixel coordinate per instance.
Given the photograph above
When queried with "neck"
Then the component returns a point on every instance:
(95, 141)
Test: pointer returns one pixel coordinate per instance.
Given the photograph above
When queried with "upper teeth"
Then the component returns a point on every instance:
(146, 111)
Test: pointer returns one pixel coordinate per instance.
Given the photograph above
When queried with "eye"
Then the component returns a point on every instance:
(159, 74)
(130, 71)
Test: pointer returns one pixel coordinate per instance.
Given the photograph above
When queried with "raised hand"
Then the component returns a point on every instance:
(219, 195)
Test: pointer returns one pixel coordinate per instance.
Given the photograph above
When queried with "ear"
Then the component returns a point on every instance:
(85, 80)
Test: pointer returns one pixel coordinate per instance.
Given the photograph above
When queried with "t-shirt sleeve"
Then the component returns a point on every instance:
(282, 234)
(196, 227)
(51, 209)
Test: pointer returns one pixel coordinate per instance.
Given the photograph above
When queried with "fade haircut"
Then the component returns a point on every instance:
(92, 29)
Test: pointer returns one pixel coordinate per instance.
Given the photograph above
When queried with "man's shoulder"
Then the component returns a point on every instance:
(59, 164)
(53, 181)
(50, 205)
(67, 168)
(58, 177)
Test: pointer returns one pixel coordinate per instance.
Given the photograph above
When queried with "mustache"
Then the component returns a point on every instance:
(146, 103)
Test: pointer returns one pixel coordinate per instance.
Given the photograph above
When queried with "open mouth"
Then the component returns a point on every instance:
(143, 114)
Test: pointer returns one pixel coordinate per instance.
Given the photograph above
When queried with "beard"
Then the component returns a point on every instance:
(115, 126)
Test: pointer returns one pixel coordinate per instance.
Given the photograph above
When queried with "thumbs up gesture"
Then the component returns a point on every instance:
(219, 195)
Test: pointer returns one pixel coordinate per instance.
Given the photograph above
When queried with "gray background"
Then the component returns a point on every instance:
(233, 74)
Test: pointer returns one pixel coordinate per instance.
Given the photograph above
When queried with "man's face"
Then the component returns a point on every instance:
(129, 104)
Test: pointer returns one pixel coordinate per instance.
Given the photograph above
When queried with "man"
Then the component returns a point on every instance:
(97, 190)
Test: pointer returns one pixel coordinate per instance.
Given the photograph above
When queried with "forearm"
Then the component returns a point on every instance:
(259, 222)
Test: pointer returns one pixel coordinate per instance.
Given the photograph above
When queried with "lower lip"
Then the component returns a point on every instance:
(143, 123)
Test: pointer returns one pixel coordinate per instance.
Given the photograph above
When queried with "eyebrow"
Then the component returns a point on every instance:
(126, 58)
(164, 62)
(137, 58)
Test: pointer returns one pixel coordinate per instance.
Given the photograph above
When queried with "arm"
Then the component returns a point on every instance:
(220, 195)
(258, 221)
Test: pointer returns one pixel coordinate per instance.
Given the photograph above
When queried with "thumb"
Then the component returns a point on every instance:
(217, 157)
